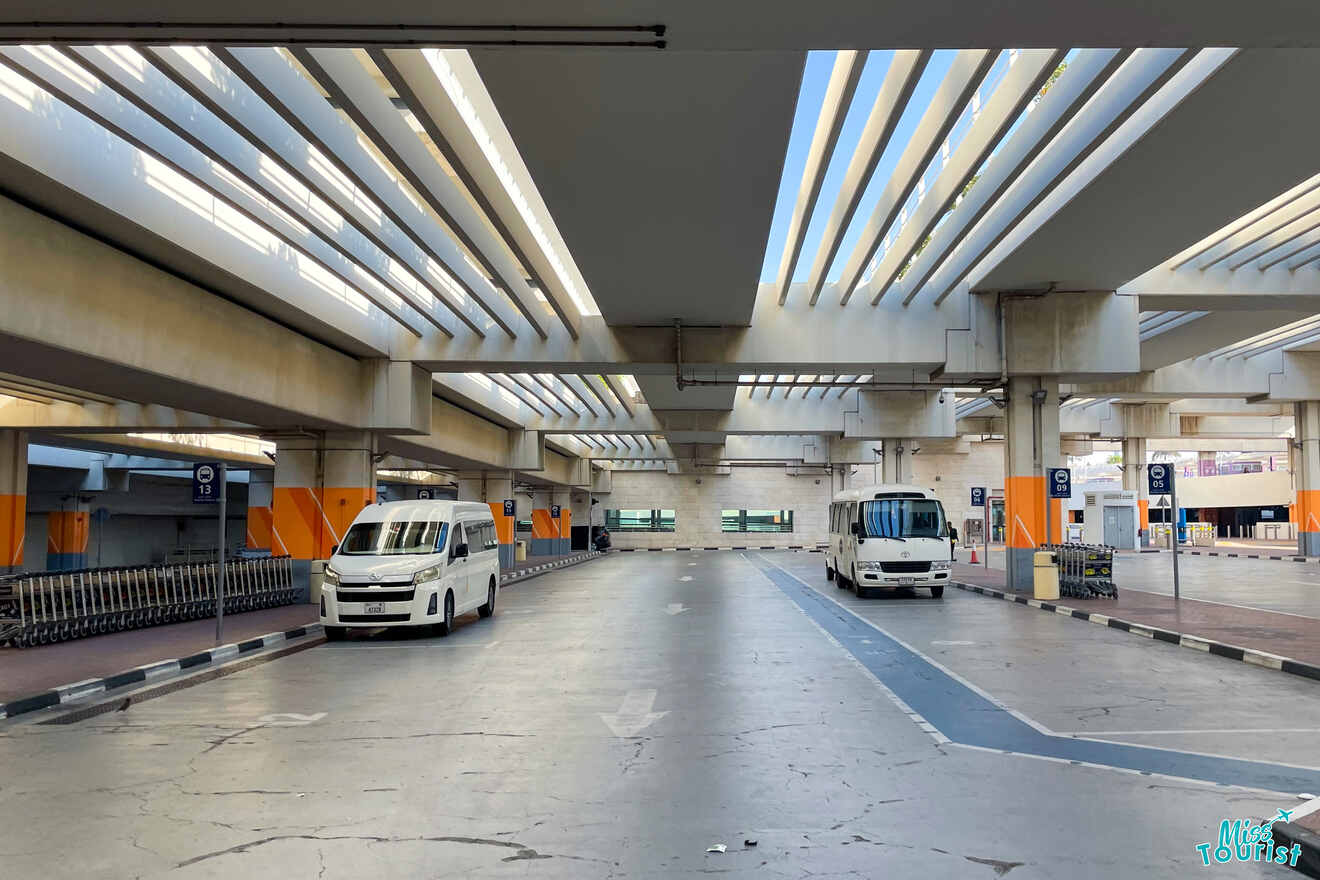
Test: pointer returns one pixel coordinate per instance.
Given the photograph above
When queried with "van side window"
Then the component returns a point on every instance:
(489, 540)
(456, 539)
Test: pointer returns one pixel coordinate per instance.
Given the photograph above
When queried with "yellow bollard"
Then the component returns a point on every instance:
(1045, 575)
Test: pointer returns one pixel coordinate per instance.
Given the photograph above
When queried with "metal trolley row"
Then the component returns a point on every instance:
(1086, 571)
(43, 607)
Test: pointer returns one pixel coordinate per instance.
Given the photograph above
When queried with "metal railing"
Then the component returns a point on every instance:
(1086, 571)
(40, 608)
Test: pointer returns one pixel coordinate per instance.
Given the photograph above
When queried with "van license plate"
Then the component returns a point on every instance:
(906, 582)
(375, 608)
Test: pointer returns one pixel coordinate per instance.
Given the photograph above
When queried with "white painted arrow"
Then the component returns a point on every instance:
(675, 608)
(634, 714)
(686, 577)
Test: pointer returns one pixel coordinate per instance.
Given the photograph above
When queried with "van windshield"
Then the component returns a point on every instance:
(903, 518)
(394, 538)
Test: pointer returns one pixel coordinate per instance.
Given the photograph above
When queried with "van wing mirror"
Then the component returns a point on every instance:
(334, 550)
(461, 551)
(852, 527)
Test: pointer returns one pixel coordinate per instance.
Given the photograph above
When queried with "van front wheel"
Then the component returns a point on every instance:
(489, 608)
(937, 591)
(446, 626)
(829, 572)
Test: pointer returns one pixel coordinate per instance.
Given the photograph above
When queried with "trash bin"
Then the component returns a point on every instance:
(1045, 572)
(520, 551)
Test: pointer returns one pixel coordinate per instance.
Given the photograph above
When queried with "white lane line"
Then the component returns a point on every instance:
(1086, 733)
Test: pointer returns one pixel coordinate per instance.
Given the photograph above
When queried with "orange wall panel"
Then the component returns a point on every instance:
(503, 524)
(307, 522)
(67, 531)
(542, 525)
(1308, 510)
(259, 521)
(13, 526)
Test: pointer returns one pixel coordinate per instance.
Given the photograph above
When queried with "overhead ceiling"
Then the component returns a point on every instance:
(660, 169)
(700, 24)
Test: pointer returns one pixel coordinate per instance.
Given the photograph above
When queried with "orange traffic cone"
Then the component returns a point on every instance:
(974, 561)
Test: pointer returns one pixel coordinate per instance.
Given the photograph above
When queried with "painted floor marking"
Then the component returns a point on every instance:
(967, 715)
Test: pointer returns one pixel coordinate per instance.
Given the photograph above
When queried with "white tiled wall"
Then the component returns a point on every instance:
(697, 506)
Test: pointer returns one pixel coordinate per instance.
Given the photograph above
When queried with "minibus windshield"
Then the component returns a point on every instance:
(903, 518)
(394, 538)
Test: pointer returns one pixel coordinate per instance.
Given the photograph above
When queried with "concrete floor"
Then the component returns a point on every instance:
(617, 718)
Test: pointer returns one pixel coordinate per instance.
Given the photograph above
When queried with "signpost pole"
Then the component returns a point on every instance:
(220, 559)
(985, 530)
(1173, 515)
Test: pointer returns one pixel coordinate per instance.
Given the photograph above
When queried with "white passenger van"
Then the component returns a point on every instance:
(886, 537)
(412, 563)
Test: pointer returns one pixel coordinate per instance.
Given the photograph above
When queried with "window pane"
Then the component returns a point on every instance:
(903, 518)
(756, 520)
(638, 520)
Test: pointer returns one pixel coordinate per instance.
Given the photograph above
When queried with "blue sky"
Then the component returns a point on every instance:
(812, 93)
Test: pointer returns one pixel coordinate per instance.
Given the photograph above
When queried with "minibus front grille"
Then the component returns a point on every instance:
(374, 595)
(905, 567)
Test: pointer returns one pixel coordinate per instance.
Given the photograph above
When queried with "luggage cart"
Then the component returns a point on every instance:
(1086, 571)
(40, 608)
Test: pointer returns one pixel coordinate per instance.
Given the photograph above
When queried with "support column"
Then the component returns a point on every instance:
(321, 483)
(1032, 435)
(13, 498)
(563, 498)
(544, 533)
(896, 465)
(499, 488)
(67, 531)
(1306, 476)
(260, 513)
(838, 478)
(1134, 480)
(472, 486)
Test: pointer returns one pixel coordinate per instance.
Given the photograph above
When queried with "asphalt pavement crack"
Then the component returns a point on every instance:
(524, 852)
(1000, 867)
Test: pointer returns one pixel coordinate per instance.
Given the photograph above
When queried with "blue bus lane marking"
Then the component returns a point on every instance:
(969, 718)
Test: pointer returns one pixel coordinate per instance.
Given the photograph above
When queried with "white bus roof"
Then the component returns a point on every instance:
(425, 509)
(865, 493)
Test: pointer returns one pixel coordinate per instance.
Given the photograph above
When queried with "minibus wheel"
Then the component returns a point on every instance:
(937, 591)
(335, 633)
(829, 572)
(489, 608)
(446, 626)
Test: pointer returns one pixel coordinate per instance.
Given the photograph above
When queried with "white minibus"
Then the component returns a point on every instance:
(888, 537)
(412, 563)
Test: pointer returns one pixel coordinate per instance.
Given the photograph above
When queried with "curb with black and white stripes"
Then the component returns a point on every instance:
(522, 574)
(1208, 646)
(149, 672)
(819, 548)
(1287, 557)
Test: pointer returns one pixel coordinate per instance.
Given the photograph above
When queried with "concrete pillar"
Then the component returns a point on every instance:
(67, 531)
(1032, 444)
(544, 532)
(1306, 476)
(838, 478)
(499, 488)
(472, 486)
(1134, 480)
(563, 499)
(260, 513)
(896, 465)
(13, 498)
(321, 483)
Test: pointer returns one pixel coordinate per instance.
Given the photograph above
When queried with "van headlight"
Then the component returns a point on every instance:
(426, 574)
(868, 566)
(331, 577)
(942, 565)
